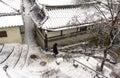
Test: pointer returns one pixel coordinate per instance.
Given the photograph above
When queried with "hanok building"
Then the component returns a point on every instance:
(11, 24)
(10, 29)
(64, 21)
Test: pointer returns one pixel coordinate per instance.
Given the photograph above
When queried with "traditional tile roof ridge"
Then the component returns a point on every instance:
(63, 2)
(11, 21)
(74, 5)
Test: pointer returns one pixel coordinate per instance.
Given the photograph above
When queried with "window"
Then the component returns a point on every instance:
(3, 34)
(61, 32)
(83, 28)
(41, 14)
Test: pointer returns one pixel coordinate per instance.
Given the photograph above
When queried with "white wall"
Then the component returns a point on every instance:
(13, 35)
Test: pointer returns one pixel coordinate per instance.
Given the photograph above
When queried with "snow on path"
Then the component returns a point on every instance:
(11, 61)
(16, 74)
(6, 52)
(3, 73)
(31, 68)
(29, 25)
(71, 71)
(1, 48)
(89, 61)
(18, 57)
(23, 57)
(93, 64)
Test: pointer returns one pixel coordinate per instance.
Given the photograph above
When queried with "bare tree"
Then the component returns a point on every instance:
(110, 24)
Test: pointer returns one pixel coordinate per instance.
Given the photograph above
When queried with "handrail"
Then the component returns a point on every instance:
(97, 73)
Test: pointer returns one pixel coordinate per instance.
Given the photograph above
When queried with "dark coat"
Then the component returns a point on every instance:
(55, 50)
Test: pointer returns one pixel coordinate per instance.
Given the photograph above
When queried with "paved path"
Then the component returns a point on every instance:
(14, 56)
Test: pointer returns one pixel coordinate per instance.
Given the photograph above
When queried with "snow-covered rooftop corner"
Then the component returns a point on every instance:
(6, 9)
(16, 4)
(9, 21)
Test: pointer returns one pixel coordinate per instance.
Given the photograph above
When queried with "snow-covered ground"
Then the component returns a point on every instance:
(25, 61)
(29, 61)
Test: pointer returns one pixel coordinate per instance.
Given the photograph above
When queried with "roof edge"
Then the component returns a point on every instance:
(70, 26)
(70, 5)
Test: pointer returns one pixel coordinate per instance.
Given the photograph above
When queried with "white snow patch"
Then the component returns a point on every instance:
(8, 21)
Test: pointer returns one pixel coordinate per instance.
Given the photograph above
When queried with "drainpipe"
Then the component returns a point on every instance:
(46, 41)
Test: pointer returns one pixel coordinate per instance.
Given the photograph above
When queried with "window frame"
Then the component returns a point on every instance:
(3, 34)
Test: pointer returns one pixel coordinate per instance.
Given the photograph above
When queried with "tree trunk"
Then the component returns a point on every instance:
(104, 59)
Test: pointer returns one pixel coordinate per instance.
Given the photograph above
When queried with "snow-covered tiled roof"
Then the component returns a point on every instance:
(10, 21)
(59, 18)
(6, 9)
(69, 17)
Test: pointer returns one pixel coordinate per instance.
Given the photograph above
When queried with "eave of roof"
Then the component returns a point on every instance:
(69, 27)
(11, 21)
(15, 4)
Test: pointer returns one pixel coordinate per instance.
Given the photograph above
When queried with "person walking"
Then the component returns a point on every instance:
(55, 50)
